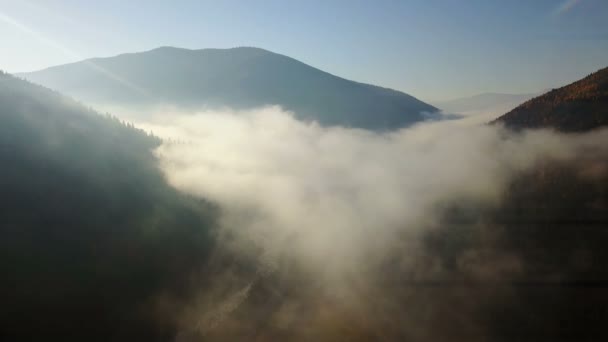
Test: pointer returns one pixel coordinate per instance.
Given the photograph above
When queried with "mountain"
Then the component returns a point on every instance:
(95, 246)
(91, 236)
(577, 107)
(240, 78)
(484, 103)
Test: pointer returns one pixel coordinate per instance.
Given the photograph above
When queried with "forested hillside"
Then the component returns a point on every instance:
(577, 107)
(91, 237)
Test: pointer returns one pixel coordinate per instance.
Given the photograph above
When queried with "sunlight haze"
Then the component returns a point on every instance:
(437, 50)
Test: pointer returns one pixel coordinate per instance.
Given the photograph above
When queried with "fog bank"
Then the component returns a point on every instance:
(337, 205)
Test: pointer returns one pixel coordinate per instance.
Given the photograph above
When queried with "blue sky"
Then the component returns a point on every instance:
(431, 49)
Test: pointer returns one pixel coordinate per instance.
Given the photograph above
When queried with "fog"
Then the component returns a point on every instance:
(334, 209)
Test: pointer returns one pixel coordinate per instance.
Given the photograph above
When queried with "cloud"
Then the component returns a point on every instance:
(335, 204)
(334, 188)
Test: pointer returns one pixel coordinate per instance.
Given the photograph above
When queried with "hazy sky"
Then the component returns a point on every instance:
(431, 49)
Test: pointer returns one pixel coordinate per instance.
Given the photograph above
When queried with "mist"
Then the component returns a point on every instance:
(338, 193)
(340, 211)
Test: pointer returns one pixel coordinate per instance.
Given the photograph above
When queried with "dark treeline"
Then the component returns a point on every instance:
(534, 266)
(92, 239)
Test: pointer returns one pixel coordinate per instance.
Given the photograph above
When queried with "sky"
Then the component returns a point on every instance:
(434, 50)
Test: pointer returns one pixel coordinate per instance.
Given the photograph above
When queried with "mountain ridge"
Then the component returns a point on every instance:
(241, 78)
(577, 107)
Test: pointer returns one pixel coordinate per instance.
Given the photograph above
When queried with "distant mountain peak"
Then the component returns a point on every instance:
(168, 48)
(239, 77)
(487, 103)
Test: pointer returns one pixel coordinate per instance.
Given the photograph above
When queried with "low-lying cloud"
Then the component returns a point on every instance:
(337, 203)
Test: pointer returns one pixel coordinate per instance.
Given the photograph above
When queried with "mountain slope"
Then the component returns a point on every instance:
(91, 236)
(239, 78)
(577, 107)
